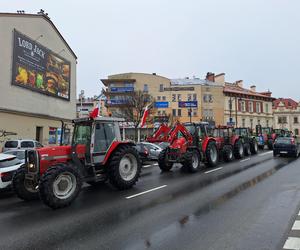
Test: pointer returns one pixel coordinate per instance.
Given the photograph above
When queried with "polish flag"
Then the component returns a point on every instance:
(95, 112)
(145, 115)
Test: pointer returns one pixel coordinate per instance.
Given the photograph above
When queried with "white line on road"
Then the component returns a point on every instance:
(213, 170)
(247, 159)
(269, 152)
(155, 164)
(292, 243)
(296, 225)
(147, 166)
(145, 192)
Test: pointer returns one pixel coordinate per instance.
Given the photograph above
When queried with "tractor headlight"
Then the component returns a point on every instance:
(32, 161)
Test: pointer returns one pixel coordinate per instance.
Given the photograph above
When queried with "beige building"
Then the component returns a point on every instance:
(37, 78)
(176, 99)
(247, 107)
(287, 114)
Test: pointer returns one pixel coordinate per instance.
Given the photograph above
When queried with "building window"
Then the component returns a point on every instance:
(296, 120)
(189, 97)
(163, 98)
(282, 119)
(258, 122)
(296, 131)
(174, 112)
(173, 97)
(179, 97)
(195, 112)
(230, 104)
(194, 97)
(159, 112)
(267, 122)
(208, 98)
(145, 87)
(161, 87)
(258, 107)
(250, 107)
(243, 106)
(267, 108)
(164, 112)
(208, 114)
(179, 112)
(243, 122)
(158, 98)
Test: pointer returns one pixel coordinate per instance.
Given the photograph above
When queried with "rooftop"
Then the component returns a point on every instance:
(287, 102)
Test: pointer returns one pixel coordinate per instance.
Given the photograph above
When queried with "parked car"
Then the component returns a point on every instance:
(289, 146)
(19, 153)
(163, 145)
(8, 165)
(154, 150)
(143, 152)
(21, 144)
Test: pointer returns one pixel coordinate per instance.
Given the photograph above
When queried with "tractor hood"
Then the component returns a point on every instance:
(178, 143)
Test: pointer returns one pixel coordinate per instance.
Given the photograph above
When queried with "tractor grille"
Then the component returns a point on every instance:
(32, 161)
(173, 154)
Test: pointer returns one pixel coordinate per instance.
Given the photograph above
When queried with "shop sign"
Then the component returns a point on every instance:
(37, 68)
(121, 89)
(179, 89)
(161, 104)
(189, 104)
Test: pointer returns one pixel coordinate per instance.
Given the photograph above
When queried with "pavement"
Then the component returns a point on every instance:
(246, 204)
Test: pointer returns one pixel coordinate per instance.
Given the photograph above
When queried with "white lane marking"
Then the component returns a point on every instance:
(292, 243)
(247, 159)
(269, 152)
(155, 164)
(296, 225)
(147, 166)
(145, 192)
(213, 170)
(299, 213)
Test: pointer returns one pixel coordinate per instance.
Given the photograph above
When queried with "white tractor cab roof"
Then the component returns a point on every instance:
(99, 118)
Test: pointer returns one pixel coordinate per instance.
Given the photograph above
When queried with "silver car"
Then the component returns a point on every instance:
(154, 150)
(21, 144)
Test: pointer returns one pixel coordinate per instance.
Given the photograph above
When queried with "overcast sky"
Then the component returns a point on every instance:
(253, 40)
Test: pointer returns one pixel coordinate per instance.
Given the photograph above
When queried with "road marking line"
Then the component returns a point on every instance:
(155, 164)
(147, 166)
(247, 159)
(292, 243)
(266, 153)
(145, 192)
(299, 213)
(296, 225)
(213, 170)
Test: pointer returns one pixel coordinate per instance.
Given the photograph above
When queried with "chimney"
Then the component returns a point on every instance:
(220, 78)
(239, 83)
(253, 88)
(210, 77)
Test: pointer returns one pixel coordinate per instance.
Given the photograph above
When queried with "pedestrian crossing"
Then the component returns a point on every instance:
(293, 240)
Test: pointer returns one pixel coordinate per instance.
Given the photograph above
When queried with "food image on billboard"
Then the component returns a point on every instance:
(37, 68)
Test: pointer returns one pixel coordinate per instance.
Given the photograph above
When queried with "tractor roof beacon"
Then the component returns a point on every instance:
(97, 153)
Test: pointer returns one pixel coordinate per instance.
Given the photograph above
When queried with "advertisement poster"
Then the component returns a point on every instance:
(189, 104)
(52, 135)
(39, 69)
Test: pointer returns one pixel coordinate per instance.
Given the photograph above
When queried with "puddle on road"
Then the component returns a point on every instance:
(174, 229)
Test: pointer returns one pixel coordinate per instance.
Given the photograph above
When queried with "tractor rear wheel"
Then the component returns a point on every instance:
(238, 149)
(192, 161)
(227, 153)
(124, 167)
(254, 146)
(163, 163)
(23, 188)
(59, 186)
(247, 150)
(211, 154)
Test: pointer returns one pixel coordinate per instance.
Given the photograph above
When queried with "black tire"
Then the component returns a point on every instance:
(211, 160)
(227, 153)
(23, 189)
(192, 160)
(247, 150)
(163, 164)
(274, 154)
(131, 160)
(254, 146)
(49, 196)
(270, 144)
(238, 149)
(261, 147)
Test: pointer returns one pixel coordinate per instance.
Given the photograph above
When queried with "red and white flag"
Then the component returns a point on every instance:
(145, 115)
(95, 112)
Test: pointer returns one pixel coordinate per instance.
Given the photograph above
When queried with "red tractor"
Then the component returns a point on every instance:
(55, 174)
(229, 144)
(189, 145)
(160, 135)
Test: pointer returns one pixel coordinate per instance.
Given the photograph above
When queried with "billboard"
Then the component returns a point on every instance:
(122, 89)
(161, 104)
(37, 68)
(189, 104)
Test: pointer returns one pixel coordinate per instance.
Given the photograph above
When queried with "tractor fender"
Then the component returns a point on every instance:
(206, 142)
(114, 146)
(198, 150)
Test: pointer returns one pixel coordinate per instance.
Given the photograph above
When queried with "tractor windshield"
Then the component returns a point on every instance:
(266, 130)
(82, 133)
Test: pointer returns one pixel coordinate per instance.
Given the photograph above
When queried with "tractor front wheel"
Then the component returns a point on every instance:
(59, 186)
(247, 150)
(254, 146)
(238, 149)
(24, 188)
(192, 161)
(124, 167)
(211, 154)
(227, 153)
(163, 163)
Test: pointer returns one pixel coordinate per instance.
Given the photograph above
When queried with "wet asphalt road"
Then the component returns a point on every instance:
(248, 204)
